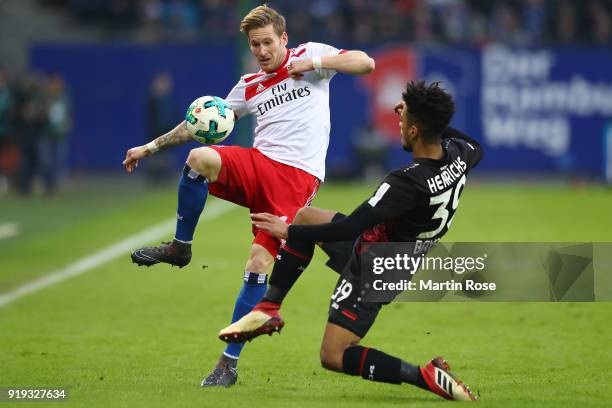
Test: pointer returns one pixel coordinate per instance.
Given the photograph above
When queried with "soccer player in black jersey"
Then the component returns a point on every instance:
(413, 203)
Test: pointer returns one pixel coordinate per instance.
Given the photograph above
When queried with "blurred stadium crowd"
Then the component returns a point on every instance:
(35, 121)
(361, 22)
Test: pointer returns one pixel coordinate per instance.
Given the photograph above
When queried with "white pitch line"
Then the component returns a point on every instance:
(121, 248)
(9, 230)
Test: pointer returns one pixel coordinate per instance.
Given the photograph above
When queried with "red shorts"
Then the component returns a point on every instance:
(250, 179)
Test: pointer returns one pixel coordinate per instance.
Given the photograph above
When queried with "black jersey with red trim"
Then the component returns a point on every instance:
(416, 202)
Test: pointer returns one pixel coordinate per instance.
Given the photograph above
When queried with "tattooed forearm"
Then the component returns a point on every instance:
(175, 137)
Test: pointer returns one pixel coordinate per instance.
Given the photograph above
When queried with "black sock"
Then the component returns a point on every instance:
(375, 365)
(372, 364)
(291, 261)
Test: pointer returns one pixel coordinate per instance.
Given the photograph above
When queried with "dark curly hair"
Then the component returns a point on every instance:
(430, 107)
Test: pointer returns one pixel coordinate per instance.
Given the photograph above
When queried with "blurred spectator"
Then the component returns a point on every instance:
(53, 145)
(391, 27)
(161, 116)
(161, 107)
(217, 20)
(364, 33)
(6, 107)
(423, 25)
(456, 21)
(534, 20)
(506, 25)
(6, 116)
(360, 18)
(566, 22)
(334, 28)
(169, 20)
(300, 27)
(371, 148)
(151, 14)
(30, 120)
(600, 22)
(322, 9)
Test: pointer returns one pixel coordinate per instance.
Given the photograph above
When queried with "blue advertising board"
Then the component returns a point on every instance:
(534, 110)
(109, 86)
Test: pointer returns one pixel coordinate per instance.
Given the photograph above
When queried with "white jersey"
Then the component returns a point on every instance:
(292, 114)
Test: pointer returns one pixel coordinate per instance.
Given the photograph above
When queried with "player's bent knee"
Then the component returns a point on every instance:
(205, 161)
(258, 265)
(335, 341)
(260, 260)
(331, 357)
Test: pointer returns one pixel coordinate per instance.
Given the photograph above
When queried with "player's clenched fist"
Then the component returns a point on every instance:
(297, 68)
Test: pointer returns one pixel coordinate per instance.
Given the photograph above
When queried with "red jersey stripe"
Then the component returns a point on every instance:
(252, 91)
(252, 77)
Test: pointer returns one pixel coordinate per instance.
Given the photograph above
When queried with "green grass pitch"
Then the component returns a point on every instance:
(126, 336)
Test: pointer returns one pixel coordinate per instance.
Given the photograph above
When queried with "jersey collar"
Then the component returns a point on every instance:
(433, 162)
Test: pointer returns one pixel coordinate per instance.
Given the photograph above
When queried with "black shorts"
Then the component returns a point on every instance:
(346, 308)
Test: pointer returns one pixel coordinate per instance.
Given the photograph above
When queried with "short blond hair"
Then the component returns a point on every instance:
(262, 16)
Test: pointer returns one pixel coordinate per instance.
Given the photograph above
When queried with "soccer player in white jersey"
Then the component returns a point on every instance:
(280, 174)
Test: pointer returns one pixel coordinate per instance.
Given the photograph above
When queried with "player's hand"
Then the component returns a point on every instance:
(298, 67)
(133, 155)
(272, 224)
(399, 108)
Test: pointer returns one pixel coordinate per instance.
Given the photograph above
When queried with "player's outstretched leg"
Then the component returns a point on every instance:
(340, 352)
(203, 164)
(293, 258)
(225, 373)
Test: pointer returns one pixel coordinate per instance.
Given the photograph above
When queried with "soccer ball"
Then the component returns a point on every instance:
(209, 120)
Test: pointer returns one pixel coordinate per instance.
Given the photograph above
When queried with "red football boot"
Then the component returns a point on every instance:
(441, 381)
